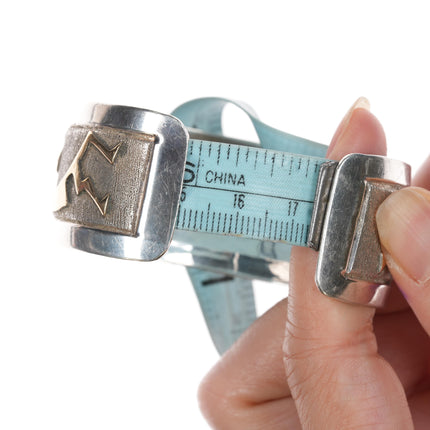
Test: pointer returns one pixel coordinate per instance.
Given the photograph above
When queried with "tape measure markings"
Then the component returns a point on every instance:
(222, 223)
(270, 201)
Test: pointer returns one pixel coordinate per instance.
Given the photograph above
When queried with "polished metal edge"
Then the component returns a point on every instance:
(340, 222)
(322, 194)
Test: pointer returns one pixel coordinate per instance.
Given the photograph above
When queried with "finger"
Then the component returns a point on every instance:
(247, 387)
(405, 345)
(395, 302)
(359, 131)
(335, 374)
(403, 222)
(420, 410)
(422, 178)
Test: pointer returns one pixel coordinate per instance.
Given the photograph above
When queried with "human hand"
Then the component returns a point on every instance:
(341, 366)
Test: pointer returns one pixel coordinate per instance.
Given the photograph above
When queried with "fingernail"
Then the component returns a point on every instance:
(362, 103)
(403, 221)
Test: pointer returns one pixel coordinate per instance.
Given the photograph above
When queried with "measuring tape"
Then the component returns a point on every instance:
(253, 192)
(248, 192)
(265, 192)
(132, 179)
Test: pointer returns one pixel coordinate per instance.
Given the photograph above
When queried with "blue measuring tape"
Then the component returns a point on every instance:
(264, 193)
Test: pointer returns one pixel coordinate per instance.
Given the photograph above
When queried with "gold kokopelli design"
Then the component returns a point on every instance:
(85, 184)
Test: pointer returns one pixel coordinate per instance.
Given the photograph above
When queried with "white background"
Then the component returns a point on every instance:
(94, 343)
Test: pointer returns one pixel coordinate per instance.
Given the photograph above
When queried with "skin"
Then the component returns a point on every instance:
(312, 362)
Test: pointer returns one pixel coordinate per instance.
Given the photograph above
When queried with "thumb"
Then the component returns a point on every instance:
(403, 222)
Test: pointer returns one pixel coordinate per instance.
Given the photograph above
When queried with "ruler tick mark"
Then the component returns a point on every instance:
(207, 216)
(291, 231)
(198, 164)
(214, 281)
(189, 218)
(195, 220)
(265, 223)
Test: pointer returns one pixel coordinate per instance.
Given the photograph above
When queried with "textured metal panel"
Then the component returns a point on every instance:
(103, 172)
(366, 260)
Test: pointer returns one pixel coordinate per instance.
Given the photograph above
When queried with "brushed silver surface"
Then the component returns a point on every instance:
(112, 167)
(366, 260)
